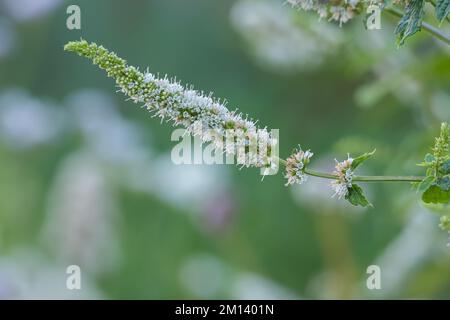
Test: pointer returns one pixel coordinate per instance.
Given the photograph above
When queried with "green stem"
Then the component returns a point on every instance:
(438, 34)
(388, 178)
(327, 175)
(366, 178)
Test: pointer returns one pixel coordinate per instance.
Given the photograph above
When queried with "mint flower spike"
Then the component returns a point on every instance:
(340, 10)
(201, 115)
(435, 187)
(441, 145)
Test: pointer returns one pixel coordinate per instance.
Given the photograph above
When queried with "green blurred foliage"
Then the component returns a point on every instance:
(313, 249)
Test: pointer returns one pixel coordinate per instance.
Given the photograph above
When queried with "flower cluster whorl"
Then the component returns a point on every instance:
(296, 165)
(344, 174)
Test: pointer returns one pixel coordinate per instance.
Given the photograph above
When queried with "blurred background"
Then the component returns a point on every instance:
(86, 177)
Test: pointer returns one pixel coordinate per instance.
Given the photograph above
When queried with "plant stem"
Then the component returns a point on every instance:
(428, 27)
(366, 178)
(327, 175)
(388, 178)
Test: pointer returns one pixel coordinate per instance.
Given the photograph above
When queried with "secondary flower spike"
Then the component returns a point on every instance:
(200, 114)
(337, 10)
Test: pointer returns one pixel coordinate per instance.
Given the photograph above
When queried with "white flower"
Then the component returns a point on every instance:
(353, 3)
(322, 11)
(295, 166)
(339, 10)
(344, 175)
(148, 77)
(302, 4)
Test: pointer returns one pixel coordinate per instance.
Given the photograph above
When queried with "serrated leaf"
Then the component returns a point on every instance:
(358, 160)
(411, 22)
(442, 9)
(425, 183)
(434, 194)
(356, 196)
(443, 183)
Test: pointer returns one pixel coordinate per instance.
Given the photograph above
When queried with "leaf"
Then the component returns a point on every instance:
(443, 183)
(425, 183)
(415, 185)
(434, 194)
(358, 160)
(429, 158)
(411, 21)
(356, 196)
(445, 167)
(442, 9)
(445, 223)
